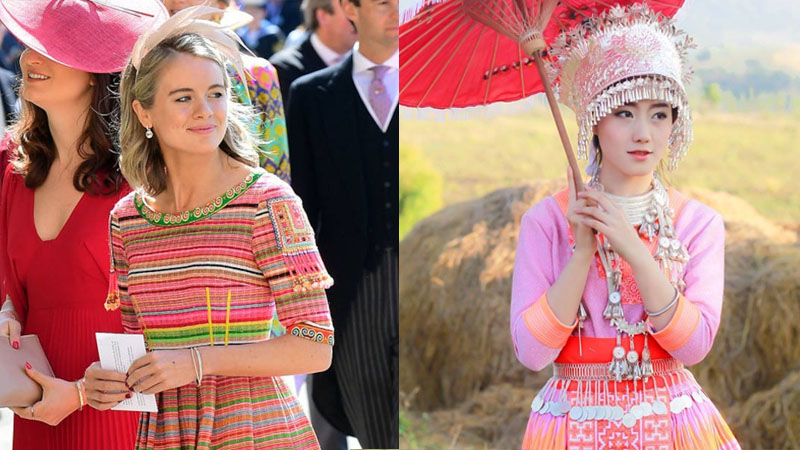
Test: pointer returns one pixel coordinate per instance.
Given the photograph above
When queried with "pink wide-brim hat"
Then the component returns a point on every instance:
(91, 35)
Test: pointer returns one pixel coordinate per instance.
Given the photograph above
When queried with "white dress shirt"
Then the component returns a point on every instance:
(362, 77)
(326, 54)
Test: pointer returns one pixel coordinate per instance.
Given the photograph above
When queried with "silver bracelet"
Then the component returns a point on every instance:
(199, 367)
(194, 363)
(666, 308)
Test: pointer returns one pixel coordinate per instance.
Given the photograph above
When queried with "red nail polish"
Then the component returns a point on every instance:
(15, 344)
(28, 366)
(128, 395)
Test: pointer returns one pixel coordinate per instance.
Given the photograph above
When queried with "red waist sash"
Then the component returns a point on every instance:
(598, 350)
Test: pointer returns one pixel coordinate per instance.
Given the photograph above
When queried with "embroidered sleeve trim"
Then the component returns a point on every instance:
(680, 328)
(545, 326)
(312, 332)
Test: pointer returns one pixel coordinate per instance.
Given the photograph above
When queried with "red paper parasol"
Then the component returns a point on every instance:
(464, 53)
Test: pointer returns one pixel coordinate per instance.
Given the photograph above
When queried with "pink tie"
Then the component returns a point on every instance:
(378, 96)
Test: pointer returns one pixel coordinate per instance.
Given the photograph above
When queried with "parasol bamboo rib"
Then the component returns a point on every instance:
(562, 130)
(466, 69)
(489, 81)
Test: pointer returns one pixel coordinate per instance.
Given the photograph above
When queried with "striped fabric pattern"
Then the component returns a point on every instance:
(221, 280)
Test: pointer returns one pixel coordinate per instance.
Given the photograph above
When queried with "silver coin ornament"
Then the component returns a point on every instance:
(632, 356)
(545, 408)
(614, 297)
(591, 412)
(619, 352)
(618, 413)
(698, 398)
(637, 412)
(629, 420)
(536, 404)
(659, 407)
(647, 409)
(575, 413)
(675, 405)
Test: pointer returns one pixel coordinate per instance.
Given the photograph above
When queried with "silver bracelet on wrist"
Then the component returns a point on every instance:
(666, 308)
(197, 361)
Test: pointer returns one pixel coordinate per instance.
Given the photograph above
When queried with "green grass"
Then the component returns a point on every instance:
(756, 157)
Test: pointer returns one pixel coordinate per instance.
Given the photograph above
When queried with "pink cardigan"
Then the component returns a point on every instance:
(544, 249)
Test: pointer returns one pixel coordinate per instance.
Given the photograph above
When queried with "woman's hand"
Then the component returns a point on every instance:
(585, 242)
(160, 370)
(59, 399)
(104, 388)
(607, 218)
(10, 327)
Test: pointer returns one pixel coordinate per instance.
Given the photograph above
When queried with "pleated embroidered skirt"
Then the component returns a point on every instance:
(580, 407)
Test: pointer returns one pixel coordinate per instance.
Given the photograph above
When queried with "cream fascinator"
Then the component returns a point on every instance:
(190, 20)
(622, 56)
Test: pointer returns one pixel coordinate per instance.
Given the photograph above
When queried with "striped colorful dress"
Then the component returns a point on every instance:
(217, 275)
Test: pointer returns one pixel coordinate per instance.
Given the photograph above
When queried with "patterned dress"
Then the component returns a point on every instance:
(265, 96)
(217, 275)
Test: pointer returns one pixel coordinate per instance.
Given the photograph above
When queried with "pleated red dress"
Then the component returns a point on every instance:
(58, 287)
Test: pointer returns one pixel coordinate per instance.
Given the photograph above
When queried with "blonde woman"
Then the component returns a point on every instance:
(207, 249)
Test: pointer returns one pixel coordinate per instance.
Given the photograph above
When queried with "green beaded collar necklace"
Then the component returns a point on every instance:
(199, 213)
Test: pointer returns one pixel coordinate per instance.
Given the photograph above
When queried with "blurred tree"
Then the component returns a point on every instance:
(713, 94)
(420, 188)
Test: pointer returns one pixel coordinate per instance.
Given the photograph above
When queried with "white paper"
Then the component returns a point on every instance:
(117, 352)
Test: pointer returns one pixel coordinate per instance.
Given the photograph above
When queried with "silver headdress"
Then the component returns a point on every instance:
(622, 56)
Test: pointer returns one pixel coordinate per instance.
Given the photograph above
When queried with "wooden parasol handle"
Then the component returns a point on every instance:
(562, 130)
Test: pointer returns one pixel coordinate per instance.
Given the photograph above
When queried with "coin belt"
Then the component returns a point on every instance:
(599, 372)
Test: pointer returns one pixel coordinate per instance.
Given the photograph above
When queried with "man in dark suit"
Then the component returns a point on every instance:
(343, 135)
(330, 37)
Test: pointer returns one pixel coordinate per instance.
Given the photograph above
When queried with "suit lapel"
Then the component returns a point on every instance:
(340, 126)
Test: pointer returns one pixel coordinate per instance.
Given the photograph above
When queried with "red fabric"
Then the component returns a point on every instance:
(598, 350)
(449, 60)
(59, 287)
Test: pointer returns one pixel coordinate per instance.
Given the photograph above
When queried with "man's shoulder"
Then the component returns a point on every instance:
(320, 78)
(288, 58)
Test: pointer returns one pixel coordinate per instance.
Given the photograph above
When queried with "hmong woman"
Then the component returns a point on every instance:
(207, 249)
(621, 285)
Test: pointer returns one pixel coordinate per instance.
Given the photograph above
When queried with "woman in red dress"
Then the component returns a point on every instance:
(57, 192)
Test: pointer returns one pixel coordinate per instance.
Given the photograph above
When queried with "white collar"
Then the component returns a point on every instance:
(362, 64)
(328, 55)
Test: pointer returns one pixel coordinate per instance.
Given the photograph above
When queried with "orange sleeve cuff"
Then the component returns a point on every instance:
(680, 328)
(545, 326)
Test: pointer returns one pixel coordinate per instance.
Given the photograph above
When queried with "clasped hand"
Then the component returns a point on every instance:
(154, 372)
(598, 212)
(592, 210)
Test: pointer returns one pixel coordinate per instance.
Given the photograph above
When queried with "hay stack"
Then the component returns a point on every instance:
(455, 282)
(771, 418)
